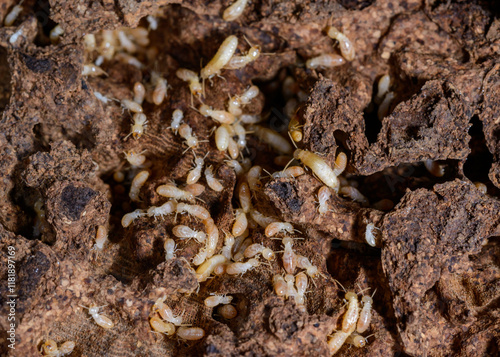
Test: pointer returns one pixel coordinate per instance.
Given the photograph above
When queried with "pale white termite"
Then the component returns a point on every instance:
(245, 197)
(177, 117)
(253, 178)
(290, 288)
(126, 43)
(184, 232)
(354, 194)
(301, 285)
(190, 333)
(327, 61)
(352, 314)
(158, 325)
(205, 269)
(251, 119)
(92, 70)
(234, 10)
(278, 227)
(212, 182)
(220, 116)
(240, 131)
(279, 285)
(256, 248)
(227, 311)
(89, 42)
(233, 149)
(304, 263)
(324, 195)
(357, 340)
(240, 223)
(273, 139)
(237, 62)
(139, 92)
(108, 44)
(214, 300)
(365, 316)
(222, 138)
(212, 236)
(13, 14)
(153, 22)
(128, 218)
(129, 59)
(195, 174)
(221, 58)
(169, 247)
(101, 237)
(319, 167)
(260, 219)
(228, 246)
(55, 33)
(186, 133)
(160, 88)
(163, 210)
(435, 168)
(171, 191)
(242, 244)
(134, 158)
(346, 47)
(336, 341)
(371, 236)
(200, 257)
(195, 188)
(166, 312)
(242, 268)
(101, 97)
(289, 256)
(383, 108)
(139, 125)
(289, 172)
(340, 164)
(132, 106)
(382, 88)
(194, 210)
(49, 348)
(101, 320)
(137, 183)
(191, 77)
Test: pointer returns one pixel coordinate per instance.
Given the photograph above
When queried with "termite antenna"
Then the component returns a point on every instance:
(338, 282)
(291, 139)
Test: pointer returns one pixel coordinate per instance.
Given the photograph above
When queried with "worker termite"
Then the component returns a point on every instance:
(187, 75)
(126, 43)
(352, 314)
(205, 269)
(371, 236)
(289, 172)
(253, 178)
(324, 195)
(171, 191)
(434, 168)
(301, 285)
(382, 88)
(365, 316)
(290, 288)
(336, 341)
(222, 137)
(158, 325)
(139, 92)
(194, 210)
(166, 208)
(227, 311)
(242, 268)
(13, 14)
(272, 138)
(280, 286)
(319, 167)
(304, 263)
(169, 247)
(235, 103)
(101, 97)
(195, 174)
(200, 257)
(153, 22)
(92, 70)
(346, 47)
(357, 340)
(279, 227)
(354, 194)
(241, 244)
(132, 106)
(240, 223)
(49, 348)
(220, 116)
(103, 321)
(383, 108)
(212, 182)
(177, 117)
(233, 149)
(260, 219)
(221, 58)
(160, 90)
(166, 312)
(128, 59)
(214, 300)
(101, 237)
(186, 133)
(108, 44)
(245, 197)
(234, 10)
(195, 188)
(237, 62)
(128, 218)
(228, 246)
(327, 60)
(190, 333)
(254, 249)
(212, 236)
(340, 164)
(134, 158)
(138, 181)
(184, 232)
(138, 126)
(289, 256)
(55, 33)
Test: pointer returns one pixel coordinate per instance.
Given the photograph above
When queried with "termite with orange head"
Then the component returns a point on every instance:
(325, 61)
(191, 77)
(138, 181)
(101, 320)
(346, 47)
(101, 237)
(138, 126)
(319, 167)
(134, 158)
(221, 58)
(235, 10)
(49, 348)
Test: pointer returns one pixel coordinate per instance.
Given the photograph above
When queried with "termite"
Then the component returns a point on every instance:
(340, 164)
(126, 43)
(194, 210)
(171, 191)
(242, 268)
(228, 246)
(240, 222)
(212, 182)
(101, 237)
(212, 236)
(301, 285)
(128, 59)
(166, 312)
(221, 58)
(290, 288)
(227, 311)
(233, 149)
(260, 219)
(184, 232)
(245, 197)
(273, 139)
(195, 174)
(382, 88)
(365, 316)
(220, 116)
(153, 22)
(235, 10)
(89, 42)
(354, 194)
(383, 108)
(352, 314)
(336, 341)
(160, 90)
(186, 133)
(128, 218)
(319, 167)
(435, 168)
(280, 286)
(327, 60)
(294, 128)
(108, 44)
(103, 321)
(305, 263)
(187, 75)
(371, 236)
(253, 178)
(204, 270)
(177, 117)
(13, 14)
(101, 97)
(55, 33)
(138, 181)
(163, 210)
(195, 188)
(92, 70)
(158, 325)
(357, 340)
(222, 137)
(290, 172)
(214, 300)
(49, 348)
(237, 101)
(237, 62)
(240, 246)
(278, 227)
(139, 125)
(254, 249)
(324, 195)
(289, 256)
(134, 158)
(346, 47)
(190, 333)
(132, 106)
(169, 247)
(139, 92)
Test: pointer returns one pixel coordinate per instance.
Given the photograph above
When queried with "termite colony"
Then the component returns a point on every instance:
(232, 251)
